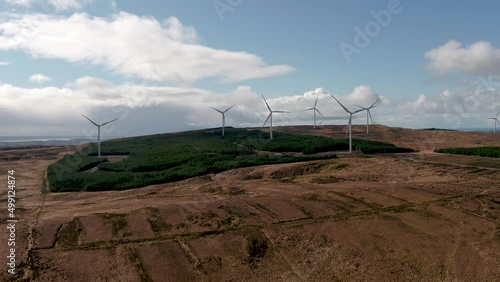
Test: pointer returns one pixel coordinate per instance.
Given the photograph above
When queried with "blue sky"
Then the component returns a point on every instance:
(432, 63)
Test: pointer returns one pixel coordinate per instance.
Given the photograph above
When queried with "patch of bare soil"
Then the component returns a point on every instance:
(407, 217)
(110, 159)
(422, 140)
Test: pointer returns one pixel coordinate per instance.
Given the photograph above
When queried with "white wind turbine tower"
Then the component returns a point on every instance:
(350, 121)
(99, 133)
(368, 113)
(270, 116)
(223, 117)
(314, 109)
(495, 120)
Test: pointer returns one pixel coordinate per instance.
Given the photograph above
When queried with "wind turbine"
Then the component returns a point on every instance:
(350, 121)
(314, 109)
(495, 120)
(99, 133)
(368, 113)
(270, 116)
(223, 117)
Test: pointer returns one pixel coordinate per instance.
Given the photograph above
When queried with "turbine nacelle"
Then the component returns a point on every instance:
(223, 117)
(270, 117)
(349, 125)
(370, 107)
(271, 113)
(223, 112)
(99, 132)
(315, 110)
(99, 125)
(495, 122)
(368, 113)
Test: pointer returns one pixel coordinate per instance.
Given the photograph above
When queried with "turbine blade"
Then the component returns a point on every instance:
(319, 112)
(230, 108)
(364, 108)
(310, 109)
(345, 109)
(498, 114)
(370, 114)
(374, 103)
(269, 108)
(90, 120)
(216, 109)
(267, 119)
(357, 111)
(109, 122)
(315, 103)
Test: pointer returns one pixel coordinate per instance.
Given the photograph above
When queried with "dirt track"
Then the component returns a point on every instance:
(413, 217)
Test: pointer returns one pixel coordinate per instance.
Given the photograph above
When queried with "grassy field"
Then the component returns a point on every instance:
(491, 152)
(172, 157)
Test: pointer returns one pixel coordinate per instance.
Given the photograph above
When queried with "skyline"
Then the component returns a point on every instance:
(159, 66)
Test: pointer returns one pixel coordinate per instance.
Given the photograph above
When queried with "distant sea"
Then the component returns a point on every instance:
(477, 129)
(19, 141)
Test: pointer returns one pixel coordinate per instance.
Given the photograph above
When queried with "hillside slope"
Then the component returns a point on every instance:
(382, 218)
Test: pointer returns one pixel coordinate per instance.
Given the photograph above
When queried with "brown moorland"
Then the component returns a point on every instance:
(400, 217)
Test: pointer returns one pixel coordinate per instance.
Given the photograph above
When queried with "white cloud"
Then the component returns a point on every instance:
(39, 78)
(463, 108)
(144, 109)
(4, 63)
(332, 111)
(131, 45)
(169, 108)
(478, 58)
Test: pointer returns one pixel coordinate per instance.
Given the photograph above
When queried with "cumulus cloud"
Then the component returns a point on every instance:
(170, 108)
(454, 102)
(477, 59)
(39, 78)
(455, 108)
(4, 63)
(133, 46)
(466, 106)
(145, 109)
(361, 95)
(58, 109)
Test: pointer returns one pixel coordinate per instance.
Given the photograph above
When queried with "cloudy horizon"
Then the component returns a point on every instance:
(159, 67)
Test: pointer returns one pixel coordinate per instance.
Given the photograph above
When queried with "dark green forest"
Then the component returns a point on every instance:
(176, 156)
(491, 152)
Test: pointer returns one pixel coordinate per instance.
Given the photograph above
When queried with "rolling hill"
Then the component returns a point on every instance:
(419, 216)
